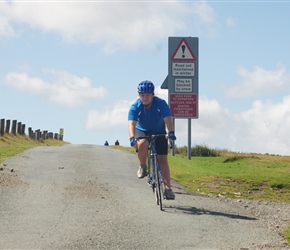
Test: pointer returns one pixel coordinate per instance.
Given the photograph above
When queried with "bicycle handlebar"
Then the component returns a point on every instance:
(149, 137)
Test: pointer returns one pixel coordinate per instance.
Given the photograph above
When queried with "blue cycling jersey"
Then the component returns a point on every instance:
(150, 120)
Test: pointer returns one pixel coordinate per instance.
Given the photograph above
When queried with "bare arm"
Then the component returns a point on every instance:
(131, 128)
(169, 123)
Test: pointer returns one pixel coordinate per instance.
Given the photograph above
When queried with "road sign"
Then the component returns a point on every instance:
(182, 80)
(183, 105)
(183, 52)
(183, 76)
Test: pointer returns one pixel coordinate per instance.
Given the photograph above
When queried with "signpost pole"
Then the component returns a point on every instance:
(173, 142)
(189, 140)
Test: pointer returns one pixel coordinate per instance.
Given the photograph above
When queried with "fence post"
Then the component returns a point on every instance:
(61, 130)
(37, 134)
(7, 128)
(23, 129)
(19, 128)
(30, 132)
(2, 122)
(42, 135)
(14, 125)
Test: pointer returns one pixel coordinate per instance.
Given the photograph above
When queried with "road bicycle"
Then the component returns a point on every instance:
(154, 173)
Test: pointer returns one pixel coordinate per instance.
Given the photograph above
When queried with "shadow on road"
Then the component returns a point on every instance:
(197, 211)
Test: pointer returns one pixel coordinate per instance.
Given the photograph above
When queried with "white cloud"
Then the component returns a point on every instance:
(5, 28)
(261, 129)
(110, 118)
(162, 93)
(265, 126)
(210, 128)
(116, 116)
(260, 81)
(206, 16)
(231, 22)
(65, 89)
(130, 25)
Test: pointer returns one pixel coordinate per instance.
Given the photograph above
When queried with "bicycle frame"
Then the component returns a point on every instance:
(154, 172)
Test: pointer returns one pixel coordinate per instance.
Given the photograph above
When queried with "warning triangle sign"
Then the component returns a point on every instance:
(183, 52)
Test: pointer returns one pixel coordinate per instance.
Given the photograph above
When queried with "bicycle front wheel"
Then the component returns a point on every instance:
(158, 189)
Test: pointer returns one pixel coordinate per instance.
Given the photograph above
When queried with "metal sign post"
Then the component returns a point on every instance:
(182, 80)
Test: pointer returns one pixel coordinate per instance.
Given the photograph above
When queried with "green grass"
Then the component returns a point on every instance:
(234, 175)
(286, 234)
(247, 177)
(13, 144)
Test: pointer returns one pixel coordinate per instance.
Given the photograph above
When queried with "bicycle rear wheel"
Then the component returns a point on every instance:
(158, 189)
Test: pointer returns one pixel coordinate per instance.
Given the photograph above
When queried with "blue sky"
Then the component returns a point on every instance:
(76, 65)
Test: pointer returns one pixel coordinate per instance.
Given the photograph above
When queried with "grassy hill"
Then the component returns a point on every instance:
(235, 175)
(232, 175)
(247, 176)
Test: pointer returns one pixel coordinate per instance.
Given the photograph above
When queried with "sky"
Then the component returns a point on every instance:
(76, 65)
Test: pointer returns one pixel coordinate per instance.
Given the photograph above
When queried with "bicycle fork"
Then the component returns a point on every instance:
(151, 172)
(151, 175)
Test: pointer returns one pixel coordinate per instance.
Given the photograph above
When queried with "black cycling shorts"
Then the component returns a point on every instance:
(160, 142)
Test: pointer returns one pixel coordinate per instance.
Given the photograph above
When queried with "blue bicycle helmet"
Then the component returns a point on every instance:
(146, 87)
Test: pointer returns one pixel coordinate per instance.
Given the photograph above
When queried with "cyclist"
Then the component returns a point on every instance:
(149, 115)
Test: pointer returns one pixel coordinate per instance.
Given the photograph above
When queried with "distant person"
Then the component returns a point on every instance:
(106, 143)
(117, 143)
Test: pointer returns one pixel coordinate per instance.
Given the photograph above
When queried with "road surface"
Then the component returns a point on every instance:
(89, 197)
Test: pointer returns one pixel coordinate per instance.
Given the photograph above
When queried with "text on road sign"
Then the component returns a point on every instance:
(183, 105)
(182, 69)
(183, 85)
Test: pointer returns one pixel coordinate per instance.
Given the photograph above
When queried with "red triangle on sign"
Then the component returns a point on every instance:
(183, 52)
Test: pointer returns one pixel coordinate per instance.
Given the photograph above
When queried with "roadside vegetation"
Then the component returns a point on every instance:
(247, 176)
(213, 172)
(13, 144)
(210, 172)
(235, 175)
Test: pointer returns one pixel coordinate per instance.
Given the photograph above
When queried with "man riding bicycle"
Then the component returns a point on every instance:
(149, 115)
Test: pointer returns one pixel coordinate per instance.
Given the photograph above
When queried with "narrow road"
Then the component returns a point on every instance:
(88, 197)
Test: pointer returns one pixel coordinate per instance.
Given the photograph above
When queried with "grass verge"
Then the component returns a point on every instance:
(286, 234)
(13, 144)
(234, 175)
(247, 177)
